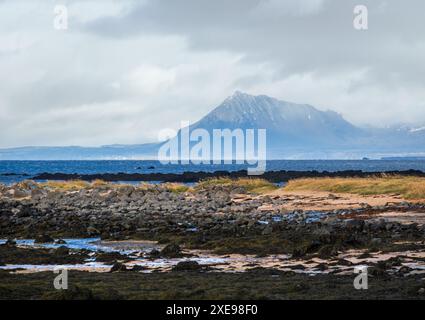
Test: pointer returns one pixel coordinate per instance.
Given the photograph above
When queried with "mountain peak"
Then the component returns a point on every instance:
(239, 95)
(285, 121)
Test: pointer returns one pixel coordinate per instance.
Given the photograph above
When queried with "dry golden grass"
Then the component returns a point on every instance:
(73, 185)
(99, 183)
(176, 187)
(214, 182)
(407, 187)
(254, 185)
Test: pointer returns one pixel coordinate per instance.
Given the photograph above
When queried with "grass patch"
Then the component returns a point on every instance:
(73, 185)
(407, 187)
(99, 183)
(176, 187)
(254, 185)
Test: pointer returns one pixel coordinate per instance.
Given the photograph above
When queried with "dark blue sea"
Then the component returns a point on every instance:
(15, 171)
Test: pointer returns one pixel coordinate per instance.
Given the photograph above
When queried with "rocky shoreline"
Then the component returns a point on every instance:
(201, 219)
(191, 177)
(224, 220)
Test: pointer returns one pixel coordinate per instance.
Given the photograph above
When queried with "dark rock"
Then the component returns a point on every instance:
(322, 267)
(377, 271)
(110, 257)
(10, 242)
(138, 268)
(187, 266)
(327, 251)
(404, 270)
(154, 253)
(118, 267)
(44, 238)
(171, 251)
(62, 251)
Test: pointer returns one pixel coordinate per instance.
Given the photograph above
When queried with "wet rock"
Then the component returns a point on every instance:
(44, 238)
(62, 251)
(403, 270)
(60, 241)
(187, 266)
(10, 242)
(322, 267)
(110, 257)
(118, 267)
(154, 253)
(171, 251)
(138, 268)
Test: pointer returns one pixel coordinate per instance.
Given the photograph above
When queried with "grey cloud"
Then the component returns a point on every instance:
(322, 40)
(83, 86)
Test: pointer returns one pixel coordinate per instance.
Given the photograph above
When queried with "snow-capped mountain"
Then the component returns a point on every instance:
(287, 124)
(297, 131)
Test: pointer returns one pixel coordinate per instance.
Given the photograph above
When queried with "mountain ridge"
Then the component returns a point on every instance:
(293, 131)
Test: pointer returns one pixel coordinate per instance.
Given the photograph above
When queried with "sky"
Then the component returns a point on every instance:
(124, 70)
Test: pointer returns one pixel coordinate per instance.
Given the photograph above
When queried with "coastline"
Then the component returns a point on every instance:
(208, 236)
(192, 177)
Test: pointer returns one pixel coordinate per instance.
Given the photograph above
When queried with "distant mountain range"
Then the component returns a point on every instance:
(294, 131)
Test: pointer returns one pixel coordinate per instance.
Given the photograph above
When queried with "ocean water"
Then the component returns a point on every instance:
(15, 171)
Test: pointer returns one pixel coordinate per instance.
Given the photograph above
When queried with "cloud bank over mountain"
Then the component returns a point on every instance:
(126, 69)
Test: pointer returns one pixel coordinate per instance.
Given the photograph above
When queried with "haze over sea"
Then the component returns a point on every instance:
(15, 171)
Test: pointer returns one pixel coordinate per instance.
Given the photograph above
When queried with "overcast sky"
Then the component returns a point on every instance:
(125, 69)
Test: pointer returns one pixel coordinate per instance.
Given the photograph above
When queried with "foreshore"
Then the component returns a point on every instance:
(221, 230)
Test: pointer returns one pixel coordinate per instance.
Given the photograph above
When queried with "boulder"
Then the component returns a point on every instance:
(62, 251)
(171, 251)
(44, 238)
(10, 242)
(138, 268)
(187, 266)
(118, 267)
